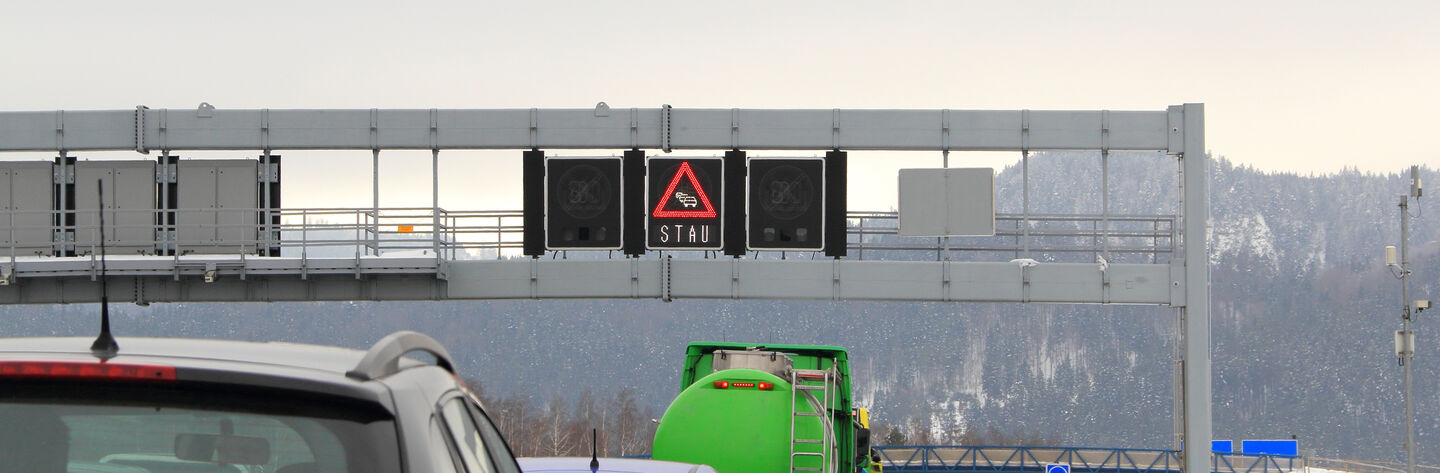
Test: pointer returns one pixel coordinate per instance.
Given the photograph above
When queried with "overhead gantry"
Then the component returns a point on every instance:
(373, 272)
(1175, 131)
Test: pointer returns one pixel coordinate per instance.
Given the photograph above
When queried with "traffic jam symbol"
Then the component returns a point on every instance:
(684, 196)
(686, 200)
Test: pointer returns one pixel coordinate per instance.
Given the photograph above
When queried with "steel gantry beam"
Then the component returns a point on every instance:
(1181, 282)
(664, 128)
(145, 280)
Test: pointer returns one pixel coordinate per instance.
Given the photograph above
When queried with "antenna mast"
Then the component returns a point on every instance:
(104, 347)
(594, 454)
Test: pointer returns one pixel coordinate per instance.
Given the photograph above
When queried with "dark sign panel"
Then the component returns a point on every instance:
(786, 204)
(582, 203)
(684, 198)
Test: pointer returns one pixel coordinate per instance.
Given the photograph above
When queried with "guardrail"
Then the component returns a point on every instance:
(983, 459)
(1364, 466)
(993, 459)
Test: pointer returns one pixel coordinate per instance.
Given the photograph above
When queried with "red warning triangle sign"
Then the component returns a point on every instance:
(702, 201)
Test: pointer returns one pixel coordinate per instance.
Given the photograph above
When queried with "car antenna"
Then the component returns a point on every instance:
(104, 347)
(594, 454)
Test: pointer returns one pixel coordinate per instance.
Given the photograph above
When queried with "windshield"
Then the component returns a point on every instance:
(55, 427)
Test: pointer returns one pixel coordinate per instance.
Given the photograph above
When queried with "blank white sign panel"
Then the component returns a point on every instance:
(947, 202)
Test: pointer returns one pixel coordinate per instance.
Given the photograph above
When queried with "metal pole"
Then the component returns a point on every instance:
(10, 213)
(435, 184)
(435, 200)
(1105, 180)
(859, 240)
(1196, 312)
(1105, 201)
(265, 213)
(1178, 373)
(945, 243)
(1177, 382)
(64, 215)
(375, 197)
(165, 201)
(1409, 355)
(1025, 198)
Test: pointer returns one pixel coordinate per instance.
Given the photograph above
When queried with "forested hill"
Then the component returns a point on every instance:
(1303, 315)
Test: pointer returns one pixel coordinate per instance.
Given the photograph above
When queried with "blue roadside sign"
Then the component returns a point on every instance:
(1222, 446)
(1270, 447)
(1057, 468)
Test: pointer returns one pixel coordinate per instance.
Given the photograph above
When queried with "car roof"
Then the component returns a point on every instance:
(612, 465)
(325, 370)
(192, 352)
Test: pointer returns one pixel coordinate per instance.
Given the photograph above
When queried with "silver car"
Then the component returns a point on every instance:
(176, 405)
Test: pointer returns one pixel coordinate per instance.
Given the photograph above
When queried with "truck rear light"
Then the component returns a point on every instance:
(744, 384)
(85, 370)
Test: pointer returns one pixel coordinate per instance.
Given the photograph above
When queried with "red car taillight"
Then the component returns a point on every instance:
(87, 370)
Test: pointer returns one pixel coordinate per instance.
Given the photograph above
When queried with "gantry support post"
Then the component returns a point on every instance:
(1195, 314)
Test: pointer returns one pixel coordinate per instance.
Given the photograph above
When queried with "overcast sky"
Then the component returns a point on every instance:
(1302, 86)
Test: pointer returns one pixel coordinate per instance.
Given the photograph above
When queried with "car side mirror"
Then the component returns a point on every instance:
(222, 449)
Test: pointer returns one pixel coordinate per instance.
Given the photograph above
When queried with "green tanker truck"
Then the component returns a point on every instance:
(765, 409)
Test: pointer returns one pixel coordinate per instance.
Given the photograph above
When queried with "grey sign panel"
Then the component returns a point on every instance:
(236, 200)
(129, 206)
(195, 221)
(27, 193)
(582, 203)
(684, 203)
(785, 208)
(947, 202)
(218, 206)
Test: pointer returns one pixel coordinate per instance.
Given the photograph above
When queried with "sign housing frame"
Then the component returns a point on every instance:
(715, 195)
(820, 201)
(618, 191)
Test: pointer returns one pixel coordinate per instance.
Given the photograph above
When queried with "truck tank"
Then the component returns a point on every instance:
(739, 410)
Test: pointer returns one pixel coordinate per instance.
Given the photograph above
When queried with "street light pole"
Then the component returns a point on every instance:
(1405, 338)
(1408, 355)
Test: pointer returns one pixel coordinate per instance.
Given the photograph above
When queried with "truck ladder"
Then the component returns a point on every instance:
(802, 383)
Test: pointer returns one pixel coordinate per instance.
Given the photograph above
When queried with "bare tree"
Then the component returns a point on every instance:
(585, 421)
(558, 438)
(604, 425)
(621, 426)
(512, 417)
(631, 424)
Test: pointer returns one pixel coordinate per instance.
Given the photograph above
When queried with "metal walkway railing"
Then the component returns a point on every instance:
(1127, 238)
(337, 232)
(212, 254)
(990, 459)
